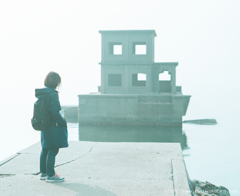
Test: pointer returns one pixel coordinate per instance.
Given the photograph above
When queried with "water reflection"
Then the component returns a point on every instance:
(117, 133)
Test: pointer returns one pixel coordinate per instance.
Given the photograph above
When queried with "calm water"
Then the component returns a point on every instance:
(211, 152)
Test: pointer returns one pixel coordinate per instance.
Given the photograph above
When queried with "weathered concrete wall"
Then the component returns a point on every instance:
(132, 109)
(71, 113)
(126, 71)
(128, 40)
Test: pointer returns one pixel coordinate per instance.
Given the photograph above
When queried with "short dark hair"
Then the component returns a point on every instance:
(52, 80)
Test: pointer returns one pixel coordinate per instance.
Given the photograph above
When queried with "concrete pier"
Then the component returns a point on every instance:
(100, 169)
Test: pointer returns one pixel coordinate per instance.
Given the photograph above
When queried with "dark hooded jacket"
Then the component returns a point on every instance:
(55, 135)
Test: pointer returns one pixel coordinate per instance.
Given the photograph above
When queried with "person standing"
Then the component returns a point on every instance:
(55, 135)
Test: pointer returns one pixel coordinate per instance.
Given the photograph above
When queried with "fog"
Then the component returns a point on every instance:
(41, 36)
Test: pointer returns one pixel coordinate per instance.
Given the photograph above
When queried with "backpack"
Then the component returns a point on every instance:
(41, 117)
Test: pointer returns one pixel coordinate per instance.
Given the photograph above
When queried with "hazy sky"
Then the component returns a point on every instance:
(55, 35)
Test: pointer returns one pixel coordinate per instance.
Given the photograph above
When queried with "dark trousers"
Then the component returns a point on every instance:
(47, 160)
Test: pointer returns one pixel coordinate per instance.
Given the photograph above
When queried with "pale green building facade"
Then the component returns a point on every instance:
(134, 89)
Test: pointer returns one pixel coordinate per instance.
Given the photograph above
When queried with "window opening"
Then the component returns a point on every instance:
(139, 79)
(115, 48)
(165, 82)
(139, 48)
(165, 76)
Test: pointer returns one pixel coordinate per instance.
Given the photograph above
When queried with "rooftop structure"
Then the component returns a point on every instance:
(134, 89)
(128, 65)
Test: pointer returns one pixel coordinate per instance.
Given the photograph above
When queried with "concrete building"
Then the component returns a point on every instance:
(134, 89)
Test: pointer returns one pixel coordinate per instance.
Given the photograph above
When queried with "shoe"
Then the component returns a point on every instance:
(55, 178)
(43, 176)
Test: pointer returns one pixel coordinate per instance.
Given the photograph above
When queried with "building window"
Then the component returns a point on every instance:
(114, 80)
(164, 82)
(139, 48)
(139, 79)
(164, 76)
(115, 48)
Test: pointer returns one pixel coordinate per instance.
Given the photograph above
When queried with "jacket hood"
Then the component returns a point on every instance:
(42, 92)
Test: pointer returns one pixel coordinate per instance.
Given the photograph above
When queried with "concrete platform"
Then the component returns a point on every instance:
(100, 169)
